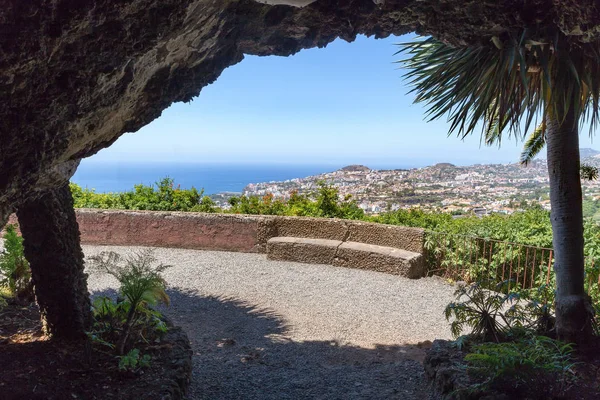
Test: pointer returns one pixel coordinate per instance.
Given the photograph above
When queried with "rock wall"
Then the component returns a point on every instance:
(230, 232)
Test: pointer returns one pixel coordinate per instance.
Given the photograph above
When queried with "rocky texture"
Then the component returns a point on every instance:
(312, 251)
(401, 237)
(380, 258)
(170, 229)
(296, 3)
(347, 254)
(52, 248)
(229, 232)
(75, 75)
(445, 368)
(305, 227)
(178, 359)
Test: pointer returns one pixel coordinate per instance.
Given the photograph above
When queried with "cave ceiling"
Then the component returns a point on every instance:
(77, 74)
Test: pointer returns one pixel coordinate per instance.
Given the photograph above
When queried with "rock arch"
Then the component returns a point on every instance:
(75, 75)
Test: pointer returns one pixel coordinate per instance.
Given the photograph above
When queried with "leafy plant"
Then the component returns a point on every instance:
(521, 360)
(133, 362)
(324, 202)
(538, 309)
(163, 196)
(14, 268)
(141, 285)
(480, 310)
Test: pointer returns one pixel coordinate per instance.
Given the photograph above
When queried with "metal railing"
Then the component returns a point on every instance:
(496, 264)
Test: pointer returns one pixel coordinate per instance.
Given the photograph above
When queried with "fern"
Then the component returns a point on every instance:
(519, 361)
(141, 285)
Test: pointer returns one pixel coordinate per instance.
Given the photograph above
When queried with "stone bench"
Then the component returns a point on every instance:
(347, 254)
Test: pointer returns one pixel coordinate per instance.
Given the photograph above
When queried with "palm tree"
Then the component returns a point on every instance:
(502, 88)
(535, 143)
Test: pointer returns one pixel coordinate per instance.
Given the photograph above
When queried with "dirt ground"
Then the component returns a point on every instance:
(33, 367)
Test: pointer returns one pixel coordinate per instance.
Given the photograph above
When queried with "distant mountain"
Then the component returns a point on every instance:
(355, 168)
(587, 152)
(444, 165)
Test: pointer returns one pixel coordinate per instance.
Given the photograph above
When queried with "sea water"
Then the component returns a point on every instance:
(113, 176)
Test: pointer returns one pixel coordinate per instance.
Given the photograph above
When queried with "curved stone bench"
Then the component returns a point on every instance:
(347, 254)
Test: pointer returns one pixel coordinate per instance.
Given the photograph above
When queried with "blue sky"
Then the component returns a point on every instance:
(344, 104)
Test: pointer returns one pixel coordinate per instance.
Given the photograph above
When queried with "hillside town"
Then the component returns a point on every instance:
(480, 188)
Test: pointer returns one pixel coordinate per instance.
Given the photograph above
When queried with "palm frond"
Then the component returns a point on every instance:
(534, 144)
(502, 87)
(589, 172)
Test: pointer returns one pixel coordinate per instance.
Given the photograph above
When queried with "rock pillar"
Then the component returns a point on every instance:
(53, 250)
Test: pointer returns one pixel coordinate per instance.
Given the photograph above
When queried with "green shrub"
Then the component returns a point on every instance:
(132, 362)
(537, 312)
(324, 202)
(518, 362)
(163, 196)
(483, 312)
(116, 324)
(14, 268)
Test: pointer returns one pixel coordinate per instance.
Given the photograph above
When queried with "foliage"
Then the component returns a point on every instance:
(141, 286)
(520, 361)
(505, 85)
(324, 202)
(492, 316)
(589, 172)
(537, 313)
(3, 296)
(507, 342)
(267, 205)
(15, 273)
(163, 196)
(529, 227)
(482, 311)
(133, 362)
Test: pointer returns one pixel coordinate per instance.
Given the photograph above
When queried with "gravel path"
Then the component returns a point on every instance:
(280, 330)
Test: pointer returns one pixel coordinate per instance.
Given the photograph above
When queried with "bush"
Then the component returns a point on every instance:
(3, 302)
(14, 267)
(531, 227)
(122, 324)
(163, 196)
(480, 310)
(507, 342)
(520, 361)
(538, 312)
(324, 202)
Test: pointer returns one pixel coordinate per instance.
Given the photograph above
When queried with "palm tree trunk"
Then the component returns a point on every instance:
(52, 247)
(573, 307)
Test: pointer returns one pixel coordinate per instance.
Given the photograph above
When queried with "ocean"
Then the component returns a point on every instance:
(106, 176)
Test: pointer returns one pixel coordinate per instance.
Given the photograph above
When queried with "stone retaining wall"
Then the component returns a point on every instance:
(230, 232)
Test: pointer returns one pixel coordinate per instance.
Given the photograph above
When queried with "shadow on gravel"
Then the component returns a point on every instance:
(243, 352)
